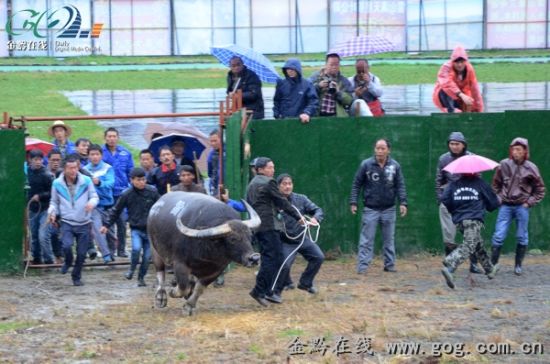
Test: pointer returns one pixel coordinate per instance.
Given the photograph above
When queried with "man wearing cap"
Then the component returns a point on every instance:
(333, 89)
(519, 187)
(295, 96)
(61, 133)
(456, 89)
(264, 196)
(73, 200)
(121, 160)
(242, 78)
(458, 147)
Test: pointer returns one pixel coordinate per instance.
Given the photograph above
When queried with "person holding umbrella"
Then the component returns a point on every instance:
(467, 199)
(241, 78)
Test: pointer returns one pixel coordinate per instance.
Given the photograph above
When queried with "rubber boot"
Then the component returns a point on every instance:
(473, 265)
(520, 254)
(495, 253)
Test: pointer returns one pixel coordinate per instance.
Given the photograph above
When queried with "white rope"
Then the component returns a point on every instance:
(303, 234)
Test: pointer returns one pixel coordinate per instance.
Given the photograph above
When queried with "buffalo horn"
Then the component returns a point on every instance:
(254, 221)
(212, 232)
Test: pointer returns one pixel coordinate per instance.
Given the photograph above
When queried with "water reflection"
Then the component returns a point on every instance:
(402, 99)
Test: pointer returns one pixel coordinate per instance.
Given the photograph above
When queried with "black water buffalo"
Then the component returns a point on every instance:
(198, 235)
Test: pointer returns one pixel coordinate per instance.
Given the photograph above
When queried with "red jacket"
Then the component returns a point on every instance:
(448, 81)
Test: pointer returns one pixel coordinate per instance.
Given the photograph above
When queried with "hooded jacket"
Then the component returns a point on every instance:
(468, 197)
(448, 81)
(294, 96)
(442, 178)
(516, 184)
(251, 87)
(381, 185)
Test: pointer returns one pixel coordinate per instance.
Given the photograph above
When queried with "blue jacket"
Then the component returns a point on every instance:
(381, 185)
(122, 163)
(69, 148)
(106, 176)
(294, 96)
(468, 197)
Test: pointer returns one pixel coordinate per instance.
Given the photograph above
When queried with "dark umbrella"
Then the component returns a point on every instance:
(193, 146)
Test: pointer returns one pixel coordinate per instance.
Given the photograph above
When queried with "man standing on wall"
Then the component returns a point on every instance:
(519, 186)
(458, 147)
(242, 78)
(382, 182)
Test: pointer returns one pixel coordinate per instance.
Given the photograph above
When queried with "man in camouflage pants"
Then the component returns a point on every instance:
(467, 199)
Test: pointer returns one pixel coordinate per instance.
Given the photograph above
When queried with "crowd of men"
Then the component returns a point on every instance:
(86, 192)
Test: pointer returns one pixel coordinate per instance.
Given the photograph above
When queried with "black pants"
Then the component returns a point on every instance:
(311, 253)
(448, 102)
(272, 257)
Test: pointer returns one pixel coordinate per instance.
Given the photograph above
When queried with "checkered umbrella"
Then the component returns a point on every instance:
(362, 45)
(255, 61)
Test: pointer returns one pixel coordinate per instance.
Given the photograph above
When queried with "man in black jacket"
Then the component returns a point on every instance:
(138, 199)
(263, 195)
(467, 199)
(458, 147)
(309, 250)
(166, 175)
(39, 194)
(382, 182)
(241, 78)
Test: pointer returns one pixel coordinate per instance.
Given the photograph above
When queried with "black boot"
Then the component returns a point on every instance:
(495, 253)
(473, 265)
(520, 254)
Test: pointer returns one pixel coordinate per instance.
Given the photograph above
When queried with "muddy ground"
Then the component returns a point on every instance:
(43, 318)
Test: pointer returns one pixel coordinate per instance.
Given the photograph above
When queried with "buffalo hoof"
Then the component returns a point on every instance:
(176, 293)
(253, 259)
(188, 309)
(161, 299)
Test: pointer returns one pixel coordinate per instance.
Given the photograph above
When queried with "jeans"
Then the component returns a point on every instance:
(41, 246)
(53, 233)
(272, 257)
(82, 235)
(120, 230)
(506, 214)
(99, 215)
(370, 221)
(140, 241)
(311, 253)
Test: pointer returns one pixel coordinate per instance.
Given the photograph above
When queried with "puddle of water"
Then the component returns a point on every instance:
(401, 99)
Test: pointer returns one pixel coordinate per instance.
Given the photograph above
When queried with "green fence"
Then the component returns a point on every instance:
(12, 199)
(324, 155)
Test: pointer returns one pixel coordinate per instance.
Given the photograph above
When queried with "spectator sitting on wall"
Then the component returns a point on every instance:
(333, 89)
(61, 133)
(187, 181)
(242, 78)
(367, 91)
(295, 96)
(456, 89)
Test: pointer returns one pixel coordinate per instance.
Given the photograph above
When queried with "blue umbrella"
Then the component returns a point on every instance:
(255, 61)
(193, 146)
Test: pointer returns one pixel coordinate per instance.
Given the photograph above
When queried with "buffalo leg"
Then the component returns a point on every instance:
(192, 301)
(161, 298)
(184, 286)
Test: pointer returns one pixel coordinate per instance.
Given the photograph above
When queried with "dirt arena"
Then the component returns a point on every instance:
(353, 319)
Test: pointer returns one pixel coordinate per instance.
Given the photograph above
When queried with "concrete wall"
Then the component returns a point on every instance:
(324, 155)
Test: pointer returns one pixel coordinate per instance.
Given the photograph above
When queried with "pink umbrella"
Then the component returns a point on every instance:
(471, 164)
(34, 143)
